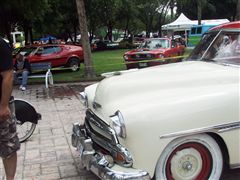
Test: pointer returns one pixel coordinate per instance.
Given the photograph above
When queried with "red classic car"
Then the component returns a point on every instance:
(155, 48)
(58, 54)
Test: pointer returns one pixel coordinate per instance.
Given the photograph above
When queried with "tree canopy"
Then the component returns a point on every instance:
(59, 17)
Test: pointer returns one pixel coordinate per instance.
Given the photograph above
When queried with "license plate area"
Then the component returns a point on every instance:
(142, 64)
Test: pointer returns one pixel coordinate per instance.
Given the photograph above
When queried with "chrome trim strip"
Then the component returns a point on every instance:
(216, 129)
(234, 166)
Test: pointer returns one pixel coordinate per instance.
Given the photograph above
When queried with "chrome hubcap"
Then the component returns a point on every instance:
(74, 67)
(186, 164)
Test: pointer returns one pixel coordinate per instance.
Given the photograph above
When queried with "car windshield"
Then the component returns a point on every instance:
(155, 44)
(27, 50)
(219, 47)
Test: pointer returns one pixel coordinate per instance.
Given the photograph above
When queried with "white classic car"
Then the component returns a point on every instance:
(174, 121)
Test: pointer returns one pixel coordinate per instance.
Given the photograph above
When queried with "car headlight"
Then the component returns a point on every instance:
(118, 124)
(160, 56)
(84, 99)
(125, 57)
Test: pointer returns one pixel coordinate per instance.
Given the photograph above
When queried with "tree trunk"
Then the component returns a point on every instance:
(199, 11)
(110, 28)
(237, 18)
(75, 33)
(171, 7)
(89, 70)
(30, 35)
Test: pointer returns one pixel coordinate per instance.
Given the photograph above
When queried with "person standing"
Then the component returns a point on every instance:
(21, 68)
(9, 142)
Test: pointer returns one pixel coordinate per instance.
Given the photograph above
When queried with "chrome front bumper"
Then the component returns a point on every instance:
(98, 163)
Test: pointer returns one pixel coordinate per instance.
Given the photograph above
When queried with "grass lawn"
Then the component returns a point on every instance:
(103, 61)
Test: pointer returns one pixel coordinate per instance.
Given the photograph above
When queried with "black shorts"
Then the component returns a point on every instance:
(9, 142)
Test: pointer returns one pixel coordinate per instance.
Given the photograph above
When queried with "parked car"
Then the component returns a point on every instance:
(107, 44)
(150, 49)
(174, 121)
(58, 54)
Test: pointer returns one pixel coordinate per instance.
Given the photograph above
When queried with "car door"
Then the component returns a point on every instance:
(173, 51)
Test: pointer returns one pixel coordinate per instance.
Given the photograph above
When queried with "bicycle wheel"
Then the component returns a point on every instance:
(26, 119)
(25, 130)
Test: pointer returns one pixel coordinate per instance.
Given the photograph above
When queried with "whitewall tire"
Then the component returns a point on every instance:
(193, 157)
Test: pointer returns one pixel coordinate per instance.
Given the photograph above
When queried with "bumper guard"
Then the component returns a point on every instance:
(100, 164)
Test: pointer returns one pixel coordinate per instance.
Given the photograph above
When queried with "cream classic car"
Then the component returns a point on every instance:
(174, 121)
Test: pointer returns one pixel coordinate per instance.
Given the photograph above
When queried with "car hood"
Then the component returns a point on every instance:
(159, 86)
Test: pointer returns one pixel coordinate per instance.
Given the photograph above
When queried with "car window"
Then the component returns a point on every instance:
(174, 44)
(27, 50)
(48, 50)
(223, 47)
(152, 44)
(57, 49)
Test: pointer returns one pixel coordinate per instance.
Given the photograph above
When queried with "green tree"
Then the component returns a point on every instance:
(209, 9)
(147, 13)
(8, 18)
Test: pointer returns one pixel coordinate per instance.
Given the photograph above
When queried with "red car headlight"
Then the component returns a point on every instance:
(125, 57)
(160, 56)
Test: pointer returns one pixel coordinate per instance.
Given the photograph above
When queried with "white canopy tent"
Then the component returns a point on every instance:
(182, 23)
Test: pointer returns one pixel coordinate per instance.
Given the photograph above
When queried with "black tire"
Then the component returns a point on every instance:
(25, 130)
(26, 119)
(74, 64)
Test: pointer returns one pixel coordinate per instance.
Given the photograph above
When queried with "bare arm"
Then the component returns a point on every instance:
(7, 78)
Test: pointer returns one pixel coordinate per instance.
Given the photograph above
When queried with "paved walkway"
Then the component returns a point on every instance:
(48, 154)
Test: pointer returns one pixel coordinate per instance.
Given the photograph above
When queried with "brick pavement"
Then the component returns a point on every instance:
(48, 154)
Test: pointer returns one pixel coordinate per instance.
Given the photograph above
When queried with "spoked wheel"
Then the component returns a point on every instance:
(25, 130)
(196, 157)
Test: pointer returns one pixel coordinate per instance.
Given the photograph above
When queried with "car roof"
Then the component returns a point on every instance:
(46, 45)
(42, 45)
(231, 25)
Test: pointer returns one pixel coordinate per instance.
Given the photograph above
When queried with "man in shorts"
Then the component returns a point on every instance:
(9, 142)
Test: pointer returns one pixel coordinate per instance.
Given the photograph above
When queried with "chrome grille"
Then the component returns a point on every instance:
(142, 56)
(105, 137)
(98, 130)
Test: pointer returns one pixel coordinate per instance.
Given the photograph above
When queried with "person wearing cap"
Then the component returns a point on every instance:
(21, 68)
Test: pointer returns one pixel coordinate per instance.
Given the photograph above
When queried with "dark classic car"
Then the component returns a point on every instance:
(57, 54)
(155, 48)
